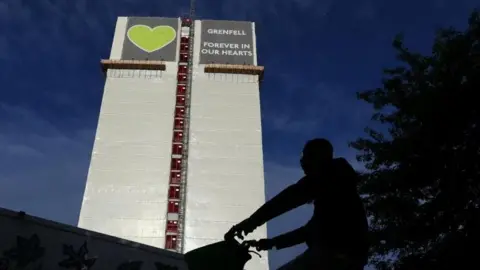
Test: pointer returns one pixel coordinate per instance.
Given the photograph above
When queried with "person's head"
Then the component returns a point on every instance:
(316, 153)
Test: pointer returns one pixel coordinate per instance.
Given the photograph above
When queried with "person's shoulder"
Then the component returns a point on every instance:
(346, 169)
(340, 161)
(308, 181)
(304, 179)
(341, 164)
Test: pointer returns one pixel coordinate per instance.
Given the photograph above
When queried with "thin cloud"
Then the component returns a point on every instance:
(327, 107)
(43, 170)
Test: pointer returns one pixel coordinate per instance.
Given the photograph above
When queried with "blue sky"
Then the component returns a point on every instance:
(317, 54)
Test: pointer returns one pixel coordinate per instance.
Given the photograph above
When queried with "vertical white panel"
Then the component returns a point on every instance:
(179, 36)
(225, 170)
(126, 190)
(254, 45)
(197, 44)
(118, 38)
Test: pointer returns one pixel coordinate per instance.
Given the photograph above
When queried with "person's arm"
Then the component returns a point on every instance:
(290, 198)
(289, 239)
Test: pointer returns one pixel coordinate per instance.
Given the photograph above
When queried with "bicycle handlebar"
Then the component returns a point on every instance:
(247, 244)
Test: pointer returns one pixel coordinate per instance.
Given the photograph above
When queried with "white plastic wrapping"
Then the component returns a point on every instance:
(126, 190)
(225, 167)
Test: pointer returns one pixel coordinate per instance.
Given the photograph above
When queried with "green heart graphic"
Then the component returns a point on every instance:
(150, 40)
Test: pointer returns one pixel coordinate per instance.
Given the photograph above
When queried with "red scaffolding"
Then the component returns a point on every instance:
(176, 189)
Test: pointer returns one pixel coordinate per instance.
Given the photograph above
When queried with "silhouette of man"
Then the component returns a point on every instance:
(337, 233)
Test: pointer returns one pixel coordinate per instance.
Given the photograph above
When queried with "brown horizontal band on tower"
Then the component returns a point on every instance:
(235, 69)
(132, 64)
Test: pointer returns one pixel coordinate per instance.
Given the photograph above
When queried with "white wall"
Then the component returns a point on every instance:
(225, 172)
(127, 184)
(225, 167)
(126, 191)
(118, 38)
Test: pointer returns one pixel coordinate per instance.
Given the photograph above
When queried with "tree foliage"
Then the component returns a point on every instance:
(422, 180)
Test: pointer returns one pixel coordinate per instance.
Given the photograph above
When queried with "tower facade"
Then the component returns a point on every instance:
(177, 158)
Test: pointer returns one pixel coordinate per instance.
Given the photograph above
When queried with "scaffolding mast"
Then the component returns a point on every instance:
(184, 174)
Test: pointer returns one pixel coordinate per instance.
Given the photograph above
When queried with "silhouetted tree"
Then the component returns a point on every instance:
(422, 176)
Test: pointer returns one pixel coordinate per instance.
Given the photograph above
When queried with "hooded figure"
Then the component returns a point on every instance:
(337, 233)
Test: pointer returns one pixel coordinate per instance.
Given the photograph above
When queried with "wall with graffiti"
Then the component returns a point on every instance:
(31, 243)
